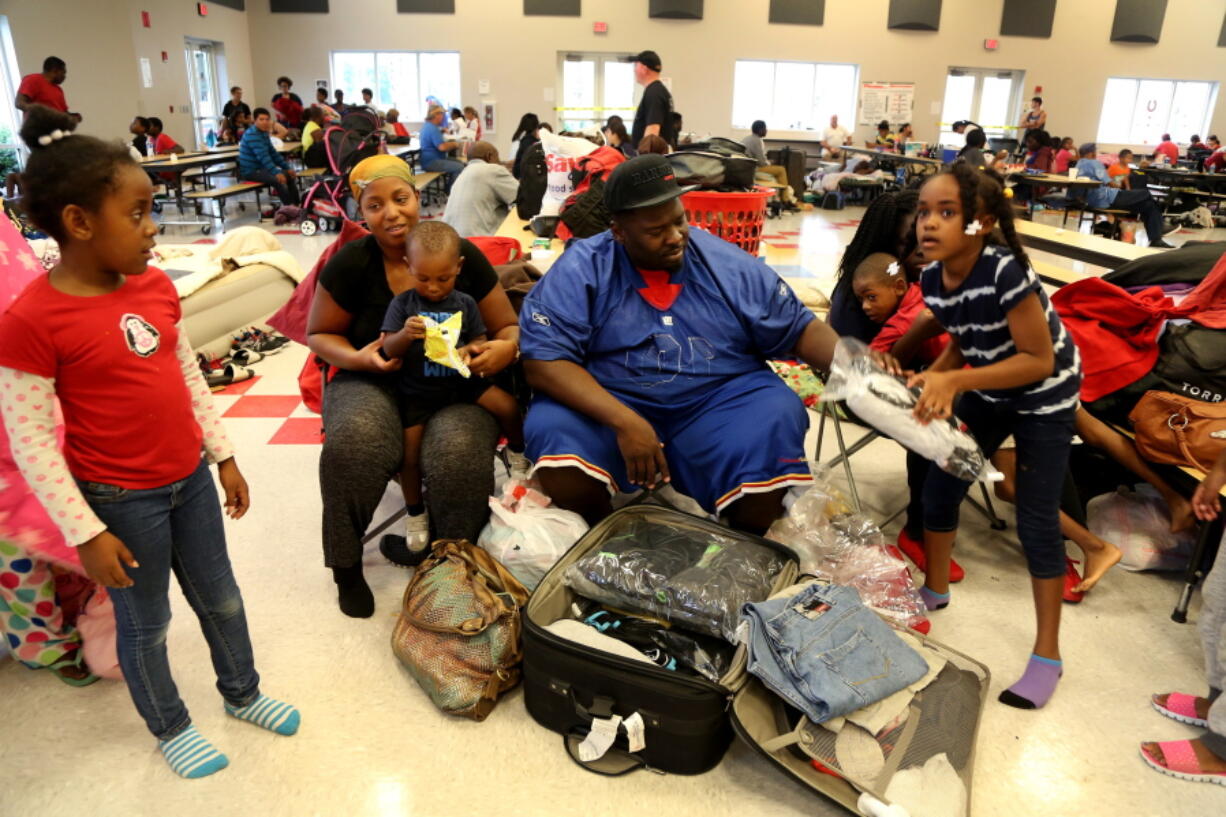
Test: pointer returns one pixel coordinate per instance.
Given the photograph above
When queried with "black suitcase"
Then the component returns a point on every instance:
(689, 722)
(792, 161)
(566, 685)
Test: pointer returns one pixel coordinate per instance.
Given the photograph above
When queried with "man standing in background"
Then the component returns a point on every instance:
(655, 111)
(44, 88)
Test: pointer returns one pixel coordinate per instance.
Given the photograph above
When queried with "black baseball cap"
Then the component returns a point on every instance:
(643, 181)
(649, 58)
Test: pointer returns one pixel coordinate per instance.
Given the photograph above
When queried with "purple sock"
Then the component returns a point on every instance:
(1037, 684)
(932, 599)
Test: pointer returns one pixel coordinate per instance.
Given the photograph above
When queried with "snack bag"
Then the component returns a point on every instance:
(442, 342)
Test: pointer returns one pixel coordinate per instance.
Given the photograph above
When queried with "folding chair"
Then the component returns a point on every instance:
(844, 457)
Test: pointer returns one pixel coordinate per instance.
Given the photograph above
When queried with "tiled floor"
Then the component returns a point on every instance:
(372, 744)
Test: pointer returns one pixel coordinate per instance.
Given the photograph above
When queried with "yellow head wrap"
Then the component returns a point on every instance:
(381, 166)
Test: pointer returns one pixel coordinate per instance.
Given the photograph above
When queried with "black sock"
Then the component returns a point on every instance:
(353, 592)
(416, 510)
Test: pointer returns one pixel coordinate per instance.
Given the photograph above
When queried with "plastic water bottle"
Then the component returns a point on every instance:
(211, 139)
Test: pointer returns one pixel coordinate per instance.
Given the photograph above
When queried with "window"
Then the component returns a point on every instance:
(12, 151)
(1139, 111)
(989, 97)
(795, 96)
(400, 79)
(594, 87)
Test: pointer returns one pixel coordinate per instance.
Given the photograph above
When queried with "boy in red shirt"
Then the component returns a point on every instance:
(162, 143)
(1167, 148)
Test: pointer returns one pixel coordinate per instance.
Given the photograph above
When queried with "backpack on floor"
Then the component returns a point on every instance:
(533, 179)
(584, 214)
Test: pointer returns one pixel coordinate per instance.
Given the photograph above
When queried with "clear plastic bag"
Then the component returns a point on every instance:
(526, 535)
(845, 547)
(689, 577)
(884, 402)
(1140, 523)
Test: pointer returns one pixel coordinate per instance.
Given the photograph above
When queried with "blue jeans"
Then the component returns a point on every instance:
(449, 166)
(288, 192)
(1142, 203)
(1043, 443)
(826, 653)
(175, 528)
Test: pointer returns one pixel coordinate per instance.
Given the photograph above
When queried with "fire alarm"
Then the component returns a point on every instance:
(202, 9)
(600, 28)
(144, 19)
(165, 57)
(991, 45)
(1038, 89)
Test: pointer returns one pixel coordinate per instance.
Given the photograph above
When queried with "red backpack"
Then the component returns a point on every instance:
(583, 214)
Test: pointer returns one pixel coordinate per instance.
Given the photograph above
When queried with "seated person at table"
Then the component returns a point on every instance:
(1064, 154)
(314, 152)
(885, 139)
(1139, 202)
(234, 128)
(647, 345)
(287, 104)
(483, 195)
(162, 144)
(757, 151)
(1120, 171)
(425, 387)
(331, 117)
(338, 102)
(1166, 148)
(1038, 151)
(259, 162)
(139, 130)
(1216, 162)
(434, 147)
(397, 133)
(972, 151)
(905, 134)
(653, 143)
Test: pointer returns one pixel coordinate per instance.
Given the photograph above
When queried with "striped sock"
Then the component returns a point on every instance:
(269, 713)
(191, 756)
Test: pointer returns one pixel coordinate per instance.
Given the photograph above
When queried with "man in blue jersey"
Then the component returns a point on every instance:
(647, 348)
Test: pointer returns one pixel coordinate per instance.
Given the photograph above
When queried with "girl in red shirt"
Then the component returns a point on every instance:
(131, 490)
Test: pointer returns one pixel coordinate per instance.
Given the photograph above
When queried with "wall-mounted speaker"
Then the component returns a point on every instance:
(425, 6)
(298, 6)
(552, 8)
(1138, 21)
(799, 12)
(675, 9)
(915, 15)
(237, 5)
(1027, 18)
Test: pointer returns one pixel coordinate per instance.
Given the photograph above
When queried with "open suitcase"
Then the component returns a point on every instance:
(689, 721)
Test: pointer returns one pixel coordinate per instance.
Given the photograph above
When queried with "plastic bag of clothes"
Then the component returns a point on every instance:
(1140, 523)
(836, 543)
(527, 535)
(561, 154)
(883, 401)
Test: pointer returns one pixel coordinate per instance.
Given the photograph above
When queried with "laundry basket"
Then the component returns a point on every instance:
(734, 217)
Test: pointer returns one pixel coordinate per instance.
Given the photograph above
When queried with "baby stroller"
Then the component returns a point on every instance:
(357, 137)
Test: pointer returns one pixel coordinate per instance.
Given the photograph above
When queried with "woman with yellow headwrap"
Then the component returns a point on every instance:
(363, 437)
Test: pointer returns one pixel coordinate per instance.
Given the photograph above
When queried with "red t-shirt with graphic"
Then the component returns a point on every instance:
(43, 91)
(127, 410)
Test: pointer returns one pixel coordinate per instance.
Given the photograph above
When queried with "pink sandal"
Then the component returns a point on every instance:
(1180, 707)
(1180, 761)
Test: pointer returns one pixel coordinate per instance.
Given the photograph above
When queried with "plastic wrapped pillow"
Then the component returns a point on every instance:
(883, 401)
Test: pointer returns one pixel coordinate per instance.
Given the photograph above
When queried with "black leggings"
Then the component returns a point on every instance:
(363, 449)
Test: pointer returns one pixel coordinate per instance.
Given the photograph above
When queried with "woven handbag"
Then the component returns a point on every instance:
(458, 633)
(1178, 430)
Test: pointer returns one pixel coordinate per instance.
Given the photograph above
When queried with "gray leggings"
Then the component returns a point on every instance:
(363, 449)
(1212, 628)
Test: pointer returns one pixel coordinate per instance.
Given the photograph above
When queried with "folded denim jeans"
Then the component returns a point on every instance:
(826, 653)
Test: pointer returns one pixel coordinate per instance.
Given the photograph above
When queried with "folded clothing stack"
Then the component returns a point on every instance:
(826, 653)
(690, 578)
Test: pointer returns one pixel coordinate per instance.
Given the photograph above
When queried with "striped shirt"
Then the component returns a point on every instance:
(975, 314)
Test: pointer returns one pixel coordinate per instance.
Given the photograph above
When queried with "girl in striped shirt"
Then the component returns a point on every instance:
(1017, 371)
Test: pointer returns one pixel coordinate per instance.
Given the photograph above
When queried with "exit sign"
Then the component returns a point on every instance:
(991, 45)
(600, 28)
(202, 9)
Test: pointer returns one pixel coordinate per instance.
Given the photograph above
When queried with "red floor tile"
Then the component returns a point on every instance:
(205, 241)
(299, 431)
(263, 405)
(785, 246)
(287, 232)
(239, 388)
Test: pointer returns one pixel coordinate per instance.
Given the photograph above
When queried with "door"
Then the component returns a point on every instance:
(205, 94)
(990, 97)
(595, 87)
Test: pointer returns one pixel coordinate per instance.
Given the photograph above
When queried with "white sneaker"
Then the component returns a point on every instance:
(520, 465)
(417, 532)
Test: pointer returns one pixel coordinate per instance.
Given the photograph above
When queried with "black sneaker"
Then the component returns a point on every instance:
(1162, 245)
(396, 550)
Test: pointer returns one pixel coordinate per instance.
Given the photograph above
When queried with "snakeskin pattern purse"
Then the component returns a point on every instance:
(458, 633)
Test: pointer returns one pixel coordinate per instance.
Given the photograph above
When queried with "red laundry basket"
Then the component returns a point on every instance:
(734, 217)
